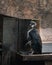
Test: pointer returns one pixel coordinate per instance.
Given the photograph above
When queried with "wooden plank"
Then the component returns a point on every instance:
(35, 57)
(48, 63)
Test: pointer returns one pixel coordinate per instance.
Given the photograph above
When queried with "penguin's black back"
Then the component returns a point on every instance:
(36, 41)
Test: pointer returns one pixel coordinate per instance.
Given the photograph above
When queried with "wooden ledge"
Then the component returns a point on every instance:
(35, 57)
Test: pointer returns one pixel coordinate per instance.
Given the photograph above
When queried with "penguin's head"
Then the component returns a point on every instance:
(33, 24)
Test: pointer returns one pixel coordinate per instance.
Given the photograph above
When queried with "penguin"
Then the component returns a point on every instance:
(34, 36)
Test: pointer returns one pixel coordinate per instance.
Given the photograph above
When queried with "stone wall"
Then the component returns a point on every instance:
(19, 8)
(28, 9)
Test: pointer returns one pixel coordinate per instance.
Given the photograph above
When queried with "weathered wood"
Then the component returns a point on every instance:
(1, 28)
(48, 63)
(35, 57)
